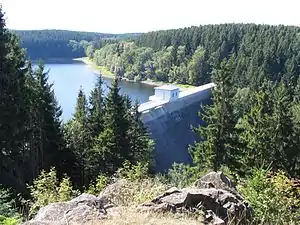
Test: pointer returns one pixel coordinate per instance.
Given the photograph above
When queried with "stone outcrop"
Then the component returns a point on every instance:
(215, 180)
(214, 195)
(79, 210)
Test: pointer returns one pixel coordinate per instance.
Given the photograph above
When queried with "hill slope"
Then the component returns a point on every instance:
(49, 44)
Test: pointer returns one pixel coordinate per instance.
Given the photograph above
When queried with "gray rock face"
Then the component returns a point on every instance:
(215, 180)
(214, 198)
(79, 210)
(217, 203)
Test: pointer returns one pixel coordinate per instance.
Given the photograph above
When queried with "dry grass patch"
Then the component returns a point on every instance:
(129, 216)
(133, 193)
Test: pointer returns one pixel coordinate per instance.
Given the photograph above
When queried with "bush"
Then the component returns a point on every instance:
(9, 220)
(133, 172)
(271, 197)
(181, 175)
(7, 203)
(125, 192)
(131, 185)
(47, 189)
(100, 184)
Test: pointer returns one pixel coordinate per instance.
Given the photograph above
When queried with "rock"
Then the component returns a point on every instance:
(110, 193)
(217, 221)
(215, 180)
(113, 188)
(157, 208)
(80, 210)
(219, 203)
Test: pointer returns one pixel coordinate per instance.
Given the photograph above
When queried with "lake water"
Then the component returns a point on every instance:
(68, 77)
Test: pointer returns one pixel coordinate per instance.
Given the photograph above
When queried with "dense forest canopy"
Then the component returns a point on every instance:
(189, 55)
(54, 44)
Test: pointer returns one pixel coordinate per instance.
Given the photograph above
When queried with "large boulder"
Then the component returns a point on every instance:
(218, 201)
(215, 180)
(80, 210)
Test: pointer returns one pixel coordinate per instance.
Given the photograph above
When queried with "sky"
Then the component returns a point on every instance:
(124, 16)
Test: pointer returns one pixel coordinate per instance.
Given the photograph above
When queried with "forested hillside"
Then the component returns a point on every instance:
(189, 55)
(251, 131)
(104, 133)
(55, 44)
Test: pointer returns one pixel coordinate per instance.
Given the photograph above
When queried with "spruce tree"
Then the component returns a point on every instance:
(49, 123)
(215, 149)
(285, 136)
(96, 109)
(112, 145)
(13, 113)
(44, 125)
(255, 133)
(78, 140)
(141, 146)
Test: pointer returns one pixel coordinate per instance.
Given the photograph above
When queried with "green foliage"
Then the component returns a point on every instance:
(198, 67)
(141, 146)
(9, 220)
(190, 55)
(125, 192)
(59, 44)
(104, 134)
(48, 189)
(7, 203)
(216, 148)
(100, 184)
(272, 197)
(133, 172)
(181, 175)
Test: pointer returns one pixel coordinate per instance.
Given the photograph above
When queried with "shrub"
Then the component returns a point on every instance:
(100, 184)
(271, 197)
(131, 185)
(181, 175)
(47, 189)
(133, 172)
(7, 204)
(9, 220)
(124, 192)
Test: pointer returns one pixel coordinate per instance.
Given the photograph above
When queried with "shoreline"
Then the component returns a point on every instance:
(96, 69)
(107, 74)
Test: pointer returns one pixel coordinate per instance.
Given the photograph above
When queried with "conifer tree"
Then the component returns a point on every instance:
(141, 147)
(78, 140)
(216, 148)
(96, 110)
(49, 124)
(13, 113)
(285, 143)
(112, 145)
(255, 133)
(44, 125)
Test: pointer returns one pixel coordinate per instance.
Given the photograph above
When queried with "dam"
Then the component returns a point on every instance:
(169, 116)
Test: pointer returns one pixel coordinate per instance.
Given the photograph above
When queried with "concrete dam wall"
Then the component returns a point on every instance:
(169, 124)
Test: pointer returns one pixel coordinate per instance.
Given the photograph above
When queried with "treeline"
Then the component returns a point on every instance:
(251, 127)
(103, 134)
(189, 55)
(55, 44)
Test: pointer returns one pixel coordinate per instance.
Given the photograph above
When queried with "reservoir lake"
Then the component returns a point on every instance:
(67, 78)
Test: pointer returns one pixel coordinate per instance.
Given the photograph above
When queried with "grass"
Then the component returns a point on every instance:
(129, 216)
(133, 193)
(159, 83)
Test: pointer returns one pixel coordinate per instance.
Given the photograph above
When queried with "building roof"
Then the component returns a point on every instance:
(168, 87)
